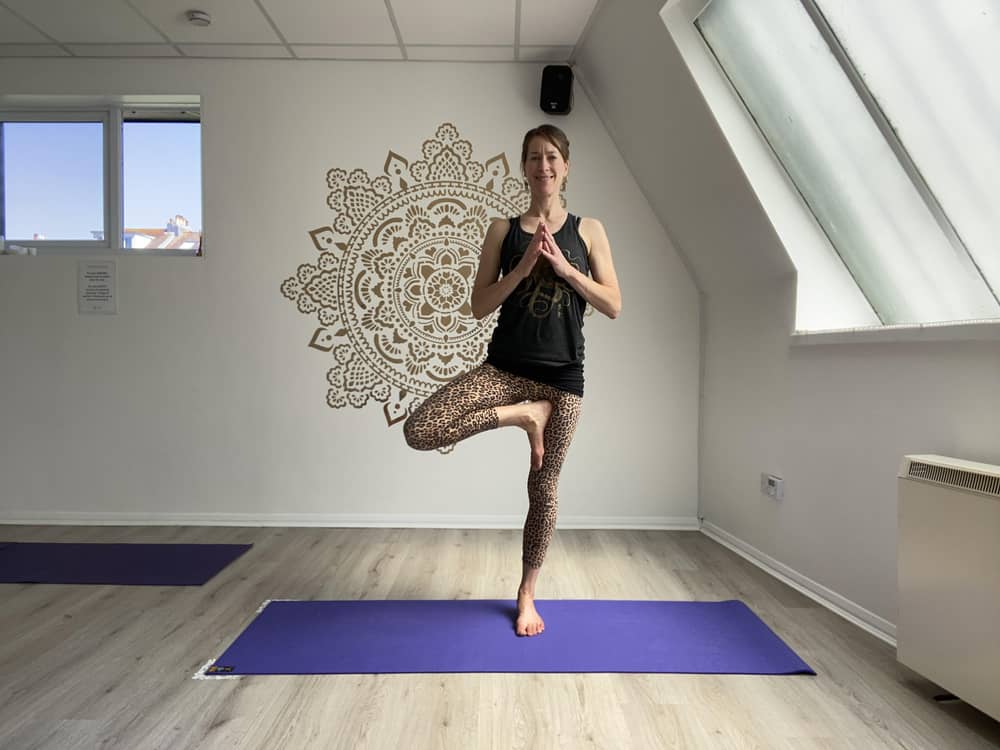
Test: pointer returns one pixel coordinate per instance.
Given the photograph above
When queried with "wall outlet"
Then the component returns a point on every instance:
(772, 486)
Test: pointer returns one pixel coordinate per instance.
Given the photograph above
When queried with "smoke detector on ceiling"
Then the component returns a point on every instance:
(198, 18)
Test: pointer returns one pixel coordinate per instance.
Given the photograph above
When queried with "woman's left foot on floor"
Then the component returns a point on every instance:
(529, 622)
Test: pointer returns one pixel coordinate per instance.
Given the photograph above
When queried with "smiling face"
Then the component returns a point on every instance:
(545, 166)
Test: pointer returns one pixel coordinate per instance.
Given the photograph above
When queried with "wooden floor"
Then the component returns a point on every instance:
(112, 667)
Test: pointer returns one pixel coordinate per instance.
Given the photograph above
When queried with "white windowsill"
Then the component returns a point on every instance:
(103, 252)
(975, 330)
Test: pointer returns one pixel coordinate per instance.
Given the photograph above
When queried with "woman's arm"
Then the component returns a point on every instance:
(601, 290)
(488, 293)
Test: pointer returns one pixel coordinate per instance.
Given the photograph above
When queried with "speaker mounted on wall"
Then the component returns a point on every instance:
(557, 89)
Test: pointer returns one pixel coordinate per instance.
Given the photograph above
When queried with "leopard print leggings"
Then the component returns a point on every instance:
(467, 406)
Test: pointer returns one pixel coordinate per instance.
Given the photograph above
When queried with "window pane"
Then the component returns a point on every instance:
(932, 69)
(162, 184)
(53, 180)
(834, 153)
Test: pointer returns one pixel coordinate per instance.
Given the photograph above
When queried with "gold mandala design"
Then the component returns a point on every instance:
(396, 265)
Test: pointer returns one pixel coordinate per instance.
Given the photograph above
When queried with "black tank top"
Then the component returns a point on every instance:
(539, 334)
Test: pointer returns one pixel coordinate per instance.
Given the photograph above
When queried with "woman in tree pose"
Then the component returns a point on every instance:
(541, 269)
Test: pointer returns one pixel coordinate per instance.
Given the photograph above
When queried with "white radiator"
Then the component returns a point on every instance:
(948, 558)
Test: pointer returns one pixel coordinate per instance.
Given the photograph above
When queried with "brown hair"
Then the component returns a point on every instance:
(550, 133)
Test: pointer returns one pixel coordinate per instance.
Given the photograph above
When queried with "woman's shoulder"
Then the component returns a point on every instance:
(590, 229)
(498, 227)
(501, 224)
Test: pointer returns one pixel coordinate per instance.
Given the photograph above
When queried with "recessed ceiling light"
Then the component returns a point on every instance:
(198, 18)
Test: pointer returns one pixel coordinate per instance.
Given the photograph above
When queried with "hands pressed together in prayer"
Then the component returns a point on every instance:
(543, 245)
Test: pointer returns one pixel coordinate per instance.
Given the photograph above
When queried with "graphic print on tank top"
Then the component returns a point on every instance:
(543, 291)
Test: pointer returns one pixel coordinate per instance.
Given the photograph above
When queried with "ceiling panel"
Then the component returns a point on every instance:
(13, 29)
(544, 54)
(318, 29)
(91, 21)
(233, 21)
(554, 22)
(32, 50)
(471, 53)
(348, 52)
(332, 21)
(123, 50)
(455, 22)
(235, 50)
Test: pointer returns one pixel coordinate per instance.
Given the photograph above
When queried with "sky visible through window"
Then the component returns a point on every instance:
(53, 184)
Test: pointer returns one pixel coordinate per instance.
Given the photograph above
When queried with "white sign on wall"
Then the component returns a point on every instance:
(97, 287)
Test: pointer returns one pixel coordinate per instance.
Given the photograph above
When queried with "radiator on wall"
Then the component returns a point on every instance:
(948, 559)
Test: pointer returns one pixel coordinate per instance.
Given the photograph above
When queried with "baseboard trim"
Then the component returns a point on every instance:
(854, 613)
(342, 520)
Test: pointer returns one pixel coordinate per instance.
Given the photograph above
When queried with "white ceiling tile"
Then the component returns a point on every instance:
(332, 21)
(13, 29)
(93, 21)
(347, 52)
(470, 53)
(554, 22)
(233, 21)
(455, 22)
(32, 50)
(544, 54)
(123, 50)
(234, 50)
(318, 29)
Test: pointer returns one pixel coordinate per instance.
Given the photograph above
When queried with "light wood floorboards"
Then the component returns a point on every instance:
(112, 667)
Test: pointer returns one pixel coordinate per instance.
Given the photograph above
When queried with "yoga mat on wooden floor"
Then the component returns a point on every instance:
(115, 564)
(477, 635)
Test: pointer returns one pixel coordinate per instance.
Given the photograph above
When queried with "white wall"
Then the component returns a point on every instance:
(200, 400)
(833, 420)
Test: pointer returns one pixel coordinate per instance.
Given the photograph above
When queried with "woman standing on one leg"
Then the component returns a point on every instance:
(541, 269)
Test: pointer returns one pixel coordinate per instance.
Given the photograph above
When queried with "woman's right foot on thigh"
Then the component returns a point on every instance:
(530, 416)
(536, 416)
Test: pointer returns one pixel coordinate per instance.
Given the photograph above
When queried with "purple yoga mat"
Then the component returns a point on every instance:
(115, 564)
(365, 637)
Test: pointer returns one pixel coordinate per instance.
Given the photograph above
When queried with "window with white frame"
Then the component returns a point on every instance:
(883, 117)
(93, 177)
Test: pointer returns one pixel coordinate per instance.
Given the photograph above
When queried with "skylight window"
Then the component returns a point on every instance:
(881, 116)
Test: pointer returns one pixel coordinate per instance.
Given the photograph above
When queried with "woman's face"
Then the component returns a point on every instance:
(545, 168)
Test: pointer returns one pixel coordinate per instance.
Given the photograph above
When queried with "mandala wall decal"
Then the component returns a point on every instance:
(391, 286)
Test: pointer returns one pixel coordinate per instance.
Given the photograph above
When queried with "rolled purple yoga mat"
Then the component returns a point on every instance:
(365, 637)
(115, 564)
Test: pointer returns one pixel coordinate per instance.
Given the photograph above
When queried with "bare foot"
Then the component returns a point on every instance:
(529, 622)
(537, 416)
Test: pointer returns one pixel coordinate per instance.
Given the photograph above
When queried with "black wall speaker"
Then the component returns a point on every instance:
(557, 89)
